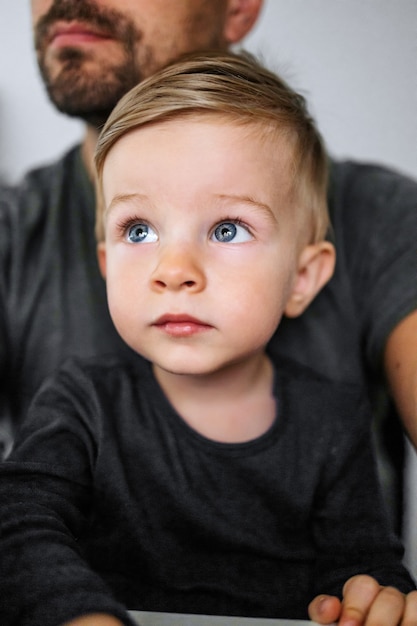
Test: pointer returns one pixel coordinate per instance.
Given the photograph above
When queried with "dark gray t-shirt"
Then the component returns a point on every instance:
(53, 302)
(111, 498)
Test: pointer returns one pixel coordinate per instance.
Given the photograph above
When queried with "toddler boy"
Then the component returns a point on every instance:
(204, 475)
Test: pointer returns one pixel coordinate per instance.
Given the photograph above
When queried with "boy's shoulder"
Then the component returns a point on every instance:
(105, 367)
(98, 375)
(307, 399)
(290, 374)
(85, 393)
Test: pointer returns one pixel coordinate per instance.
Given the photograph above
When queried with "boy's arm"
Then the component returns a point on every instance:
(46, 488)
(364, 603)
(42, 571)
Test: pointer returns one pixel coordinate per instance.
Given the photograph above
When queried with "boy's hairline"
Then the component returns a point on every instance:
(261, 126)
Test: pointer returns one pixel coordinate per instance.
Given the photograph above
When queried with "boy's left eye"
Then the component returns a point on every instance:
(231, 232)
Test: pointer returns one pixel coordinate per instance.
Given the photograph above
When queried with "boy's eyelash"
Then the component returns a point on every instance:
(233, 220)
(123, 225)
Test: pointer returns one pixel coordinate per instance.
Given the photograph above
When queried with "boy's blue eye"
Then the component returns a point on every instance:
(141, 232)
(231, 232)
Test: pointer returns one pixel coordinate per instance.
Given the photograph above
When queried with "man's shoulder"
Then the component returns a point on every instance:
(66, 161)
(320, 399)
(39, 206)
(370, 187)
(299, 374)
(43, 186)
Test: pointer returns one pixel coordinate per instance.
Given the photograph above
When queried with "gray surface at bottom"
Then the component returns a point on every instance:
(144, 618)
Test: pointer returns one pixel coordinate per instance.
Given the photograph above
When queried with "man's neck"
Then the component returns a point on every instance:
(87, 149)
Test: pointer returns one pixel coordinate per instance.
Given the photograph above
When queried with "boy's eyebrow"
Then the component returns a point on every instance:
(256, 204)
(122, 198)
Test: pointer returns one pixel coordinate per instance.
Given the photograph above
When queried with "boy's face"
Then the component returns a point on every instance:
(202, 241)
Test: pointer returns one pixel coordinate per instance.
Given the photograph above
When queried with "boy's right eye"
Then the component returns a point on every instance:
(141, 233)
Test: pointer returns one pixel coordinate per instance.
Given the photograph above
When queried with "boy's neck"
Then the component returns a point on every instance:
(233, 405)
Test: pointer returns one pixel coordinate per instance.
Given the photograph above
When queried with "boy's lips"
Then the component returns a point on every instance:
(73, 33)
(181, 325)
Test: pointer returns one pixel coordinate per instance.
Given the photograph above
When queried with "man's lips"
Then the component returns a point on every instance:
(181, 325)
(73, 33)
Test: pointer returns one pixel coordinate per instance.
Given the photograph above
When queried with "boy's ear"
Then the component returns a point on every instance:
(241, 16)
(315, 268)
(101, 257)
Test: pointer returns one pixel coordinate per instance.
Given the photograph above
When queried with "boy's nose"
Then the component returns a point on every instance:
(178, 269)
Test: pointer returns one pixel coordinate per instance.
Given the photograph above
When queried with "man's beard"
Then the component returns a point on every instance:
(89, 95)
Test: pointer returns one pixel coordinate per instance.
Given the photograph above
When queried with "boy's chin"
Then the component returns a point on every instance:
(186, 369)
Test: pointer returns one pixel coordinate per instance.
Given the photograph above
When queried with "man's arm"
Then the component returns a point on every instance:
(400, 361)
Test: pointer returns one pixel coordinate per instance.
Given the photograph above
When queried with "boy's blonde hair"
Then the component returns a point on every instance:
(237, 87)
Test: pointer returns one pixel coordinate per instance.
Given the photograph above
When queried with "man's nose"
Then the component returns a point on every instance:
(179, 267)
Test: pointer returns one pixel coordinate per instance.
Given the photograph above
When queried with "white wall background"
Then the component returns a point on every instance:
(355, 60)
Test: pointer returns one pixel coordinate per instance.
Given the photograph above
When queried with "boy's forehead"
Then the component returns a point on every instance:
(205, 137)
(189, 158)
(276, 140)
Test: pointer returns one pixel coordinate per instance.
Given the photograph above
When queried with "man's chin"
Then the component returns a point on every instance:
(95, 118)
(92, 101)
(80, 89)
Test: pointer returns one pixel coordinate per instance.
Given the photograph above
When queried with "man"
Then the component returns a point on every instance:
(90, 52)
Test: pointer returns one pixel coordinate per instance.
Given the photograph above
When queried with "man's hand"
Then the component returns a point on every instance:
(366, 603)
